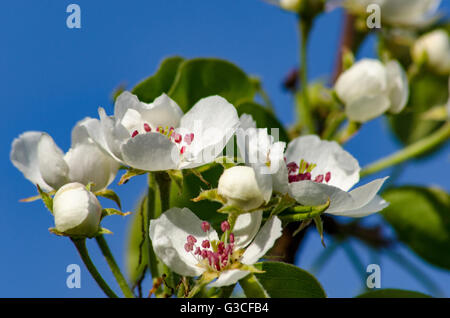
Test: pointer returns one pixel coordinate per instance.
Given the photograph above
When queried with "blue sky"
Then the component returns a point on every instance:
(53, 76)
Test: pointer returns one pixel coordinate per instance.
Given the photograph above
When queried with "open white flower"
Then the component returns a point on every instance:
(370, 88)
(157, 136)
(260, 151)
(434, 49)
(399, 13)
(191, 247)
(76, 210)
(320, 170)
(42, 162)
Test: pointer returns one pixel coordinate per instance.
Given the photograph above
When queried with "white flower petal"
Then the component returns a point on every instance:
(80, 133)
(278, 167)
(246, 227)
(263, 241)
(229, 277)
(367, 108)
(114, 135)
(151, 152)
(124, 102)
(311, 193)
(95, 131)
(213, 122)
(88, 163)
(375, 205)
(53, 168)
(264, 181)
(24, 157)
(366, 77)
(169, 234)
(163, 112)
(360, 197)
(246, 121)
(398, 86)
(328, 156)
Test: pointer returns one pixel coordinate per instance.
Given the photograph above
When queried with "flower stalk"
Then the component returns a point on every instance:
(114, 267)
(409, 152)
(80, 245)
(304, 26)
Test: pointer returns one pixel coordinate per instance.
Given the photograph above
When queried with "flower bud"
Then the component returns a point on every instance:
(433, 48)
(369, 88)
(239, 187)
(290, 5)
(76, 210)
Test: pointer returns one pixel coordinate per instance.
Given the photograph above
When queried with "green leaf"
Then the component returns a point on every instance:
(427, 90)
(130, 173)
(46, 198)
(111, 211)
(203, 77)
(111, 195)
(421, 219)
(263, 117)
(281, 280)
(160, 82)
(392, 293)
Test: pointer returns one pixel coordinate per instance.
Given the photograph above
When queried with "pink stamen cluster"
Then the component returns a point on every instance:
(171, 134)
(303, 172)
(216, 257)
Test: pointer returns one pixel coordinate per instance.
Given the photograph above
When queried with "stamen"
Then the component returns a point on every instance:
(328, 177)
(206, 226)
(134, 134)
(191, 239)
(182, 150)
(177, 137)
(188, 247)
(206, 244)
(292, 167)
(188, 138)
(147, 127)
(319, 178)
(225, 226)
(231, 238)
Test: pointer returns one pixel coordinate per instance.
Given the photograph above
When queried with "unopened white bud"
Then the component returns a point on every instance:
(76, 210)
(369, 88)
(239, 187)
(290, 5)
(433, 48)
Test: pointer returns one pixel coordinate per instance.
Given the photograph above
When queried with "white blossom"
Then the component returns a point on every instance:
(42, 162)
(184, 243)
(321, 170)
(157, 136)
(369, 88)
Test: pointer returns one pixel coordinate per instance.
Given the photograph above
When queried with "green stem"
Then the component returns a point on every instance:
(303, 213)
(80, 245)
(113, 266)
(304, 26)
(348, 132)
(163, 182)
(252, 288)
(332, 124)
(409, 152)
